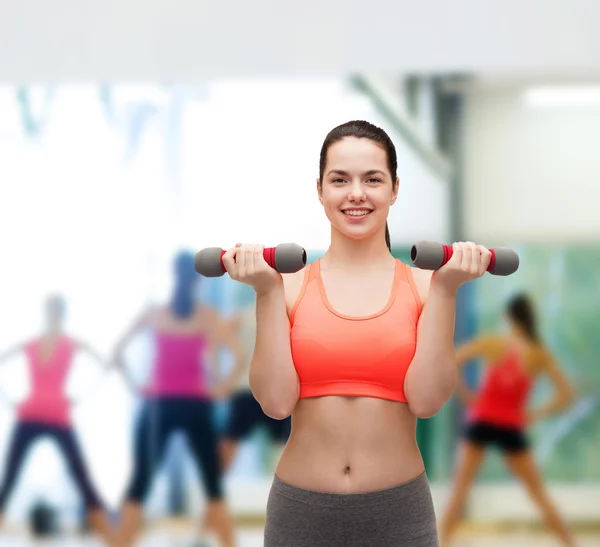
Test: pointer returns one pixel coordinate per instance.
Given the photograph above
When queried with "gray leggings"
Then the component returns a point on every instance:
(402, 516)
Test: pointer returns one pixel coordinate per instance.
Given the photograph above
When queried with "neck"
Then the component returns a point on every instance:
(52, 332)
(357, 253)
(519, 334)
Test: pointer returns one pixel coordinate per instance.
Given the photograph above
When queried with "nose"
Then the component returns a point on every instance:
(356, 191)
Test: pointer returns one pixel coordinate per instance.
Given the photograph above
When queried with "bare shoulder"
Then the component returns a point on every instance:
(292, 285)
(490, 345)
(152, 313)
(149, 316)
(543, 357)
(422, 279)
(205, 315)
(495, 343)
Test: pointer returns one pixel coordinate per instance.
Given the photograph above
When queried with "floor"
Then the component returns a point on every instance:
(253, 538)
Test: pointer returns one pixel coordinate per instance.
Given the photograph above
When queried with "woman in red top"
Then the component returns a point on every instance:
(498, 413)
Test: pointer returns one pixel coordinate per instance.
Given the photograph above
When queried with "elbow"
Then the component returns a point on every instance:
(426, 399)
(277, 408)
(568, 398)
(426, 408)
(280, 412)
(427, 405)
(275, 405)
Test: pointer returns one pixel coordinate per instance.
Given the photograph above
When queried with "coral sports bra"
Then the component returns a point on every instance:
(368, 356)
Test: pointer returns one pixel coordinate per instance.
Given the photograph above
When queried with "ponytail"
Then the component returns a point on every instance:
(387, 237)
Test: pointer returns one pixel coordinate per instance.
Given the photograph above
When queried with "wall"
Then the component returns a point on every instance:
(532, 174)
(185, 40)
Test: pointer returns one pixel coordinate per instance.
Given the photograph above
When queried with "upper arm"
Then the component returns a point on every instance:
(85, 347)
(12, 351)
(487, 346)
(142, 320)
(556, 375)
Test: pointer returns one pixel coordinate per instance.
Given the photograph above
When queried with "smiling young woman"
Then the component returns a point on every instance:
(354, 347)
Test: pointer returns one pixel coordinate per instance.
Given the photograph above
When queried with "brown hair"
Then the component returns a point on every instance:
(362, 130)
(520, 309)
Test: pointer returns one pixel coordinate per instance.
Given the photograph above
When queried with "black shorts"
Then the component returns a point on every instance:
(506, 439)
(245, 415)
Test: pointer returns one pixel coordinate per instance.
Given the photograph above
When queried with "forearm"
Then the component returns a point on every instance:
(10, 353)
(273, 378)
(432, 375)
(554, 406)
(95, 355)
(118, 351)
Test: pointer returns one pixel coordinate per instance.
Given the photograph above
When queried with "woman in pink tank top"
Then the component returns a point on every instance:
(498, 412)
(46, 412)
(179, 396)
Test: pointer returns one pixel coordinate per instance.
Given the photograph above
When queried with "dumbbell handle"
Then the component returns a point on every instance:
(285, 258)
(429, 255)
(268, 255)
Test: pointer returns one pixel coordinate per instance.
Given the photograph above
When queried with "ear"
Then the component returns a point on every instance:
(395, 191)
(320, 191)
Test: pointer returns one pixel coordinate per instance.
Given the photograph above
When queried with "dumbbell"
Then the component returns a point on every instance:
(429, 255)
(285, 258)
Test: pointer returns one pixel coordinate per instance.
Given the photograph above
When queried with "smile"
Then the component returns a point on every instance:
(357, 212)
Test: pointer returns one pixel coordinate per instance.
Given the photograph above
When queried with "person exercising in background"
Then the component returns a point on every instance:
(245, 412)
(498, 415)
(46, 412)
(180, 396)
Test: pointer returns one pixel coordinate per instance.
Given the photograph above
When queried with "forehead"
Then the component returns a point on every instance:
(352, 154)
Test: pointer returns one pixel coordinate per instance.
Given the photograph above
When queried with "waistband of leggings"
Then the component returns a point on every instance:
(395, 494)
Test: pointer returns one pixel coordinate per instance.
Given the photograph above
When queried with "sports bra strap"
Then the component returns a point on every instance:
(309, 275)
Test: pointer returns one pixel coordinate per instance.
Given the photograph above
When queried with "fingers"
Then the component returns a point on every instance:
(243, 260)
(471, 258)
(467, 256)
(485, 257)
(249, 267)
(229, 261)
(457, 253)
(258, 258)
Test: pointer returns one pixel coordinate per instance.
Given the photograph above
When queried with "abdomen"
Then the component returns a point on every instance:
(350, 444)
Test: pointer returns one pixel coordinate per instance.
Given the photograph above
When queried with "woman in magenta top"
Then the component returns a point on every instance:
(498, 413)
(46, 412)
(179, 396)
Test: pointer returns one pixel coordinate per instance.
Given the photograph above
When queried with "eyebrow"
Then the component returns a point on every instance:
(345, 173)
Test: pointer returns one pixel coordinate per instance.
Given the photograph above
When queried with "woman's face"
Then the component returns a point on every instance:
(357, 190)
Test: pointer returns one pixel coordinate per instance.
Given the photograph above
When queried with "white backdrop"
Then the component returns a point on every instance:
(532, 172)
(190, 40)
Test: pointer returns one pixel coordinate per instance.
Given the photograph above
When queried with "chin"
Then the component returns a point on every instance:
(358, 234)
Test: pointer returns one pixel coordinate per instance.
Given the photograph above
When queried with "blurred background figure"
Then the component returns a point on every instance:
(245, 415)
(179, 397)
(499, 413)
(46, 412)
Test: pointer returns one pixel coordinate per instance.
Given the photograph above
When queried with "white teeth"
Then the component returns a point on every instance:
(357, 213)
